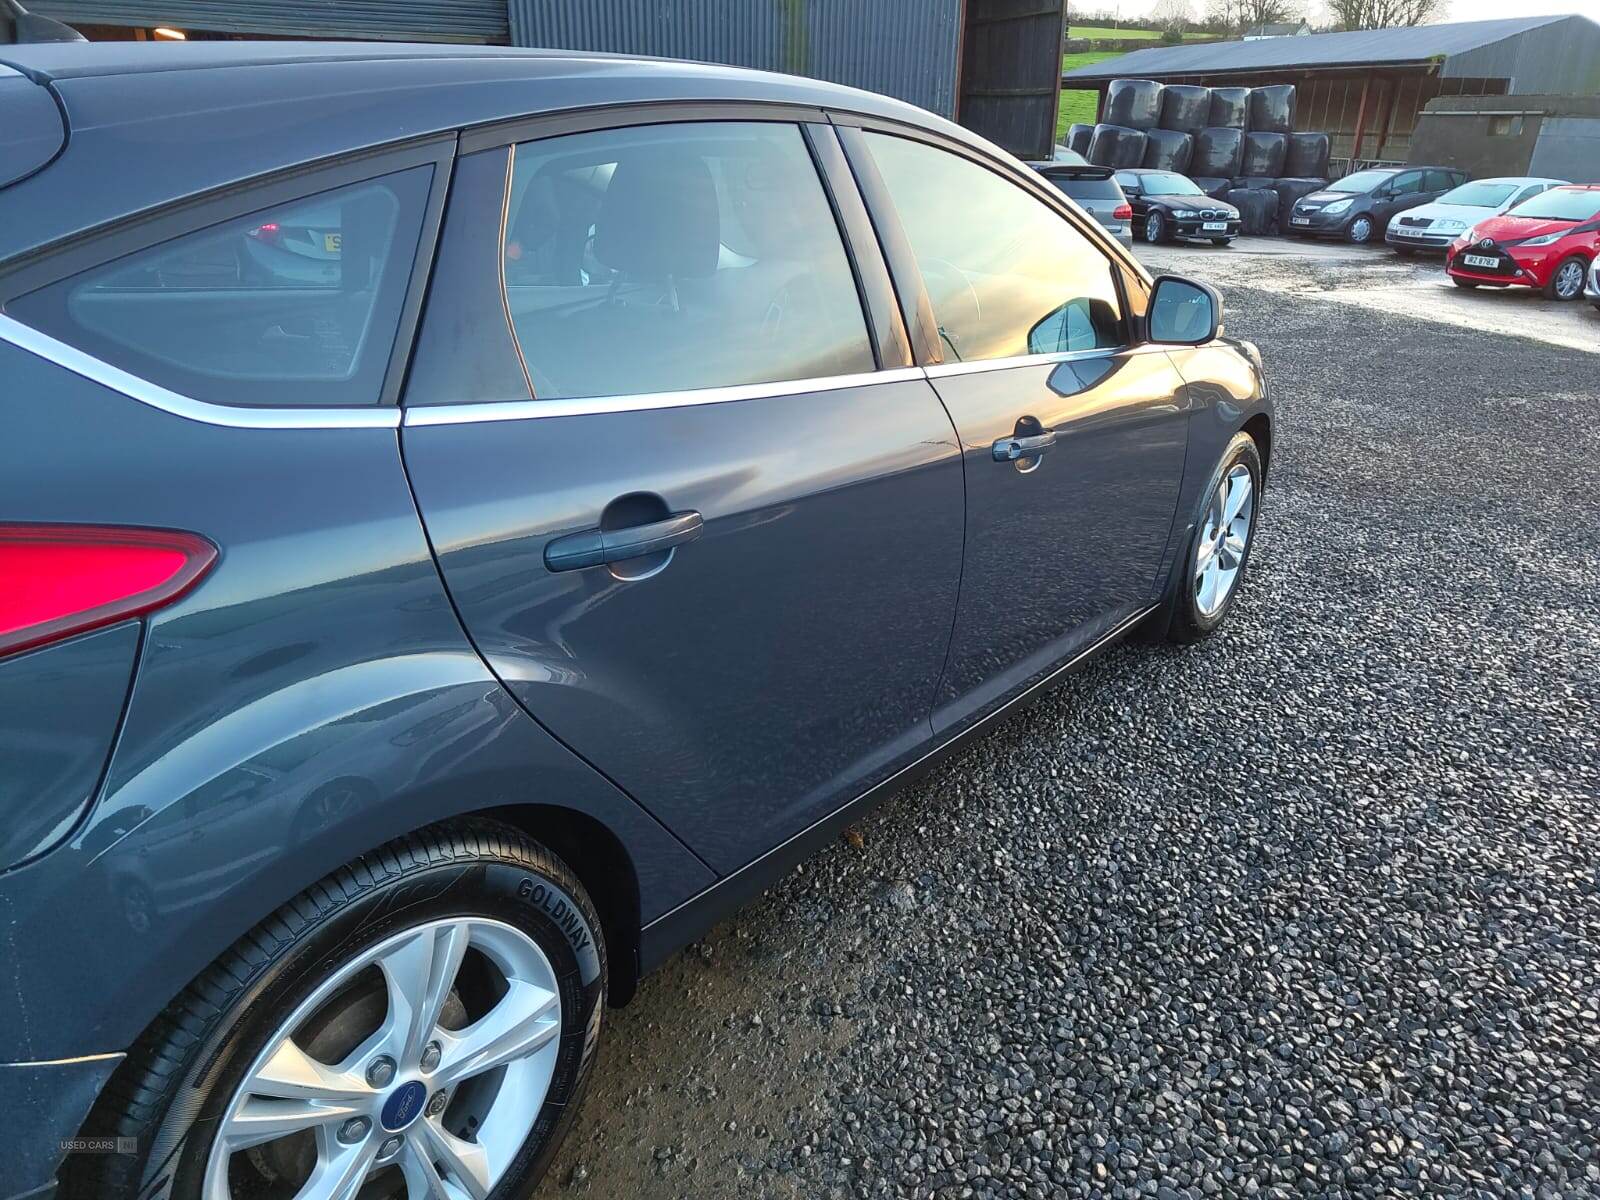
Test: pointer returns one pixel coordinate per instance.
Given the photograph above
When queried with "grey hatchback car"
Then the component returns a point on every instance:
(617, 475)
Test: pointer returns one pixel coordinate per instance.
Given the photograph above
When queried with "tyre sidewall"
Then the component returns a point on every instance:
(1189, 623)
(522, 896)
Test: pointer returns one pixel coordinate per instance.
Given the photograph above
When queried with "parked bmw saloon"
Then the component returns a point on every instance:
(469, 518)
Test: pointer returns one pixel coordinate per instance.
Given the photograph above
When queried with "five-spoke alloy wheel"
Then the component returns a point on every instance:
(419, 1025)
(402, 1098)
(1213, 571)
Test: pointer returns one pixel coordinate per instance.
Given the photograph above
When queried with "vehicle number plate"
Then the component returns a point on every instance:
(330, 242)
(1299, 220)
(1408, 231)
(1215, 227)
(1479, 260)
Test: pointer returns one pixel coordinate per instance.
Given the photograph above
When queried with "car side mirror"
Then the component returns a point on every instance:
(1183, 312)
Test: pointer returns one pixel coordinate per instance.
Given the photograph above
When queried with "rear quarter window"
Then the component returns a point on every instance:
(293, 305)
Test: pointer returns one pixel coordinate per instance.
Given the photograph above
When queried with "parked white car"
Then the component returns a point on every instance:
(1435, 225)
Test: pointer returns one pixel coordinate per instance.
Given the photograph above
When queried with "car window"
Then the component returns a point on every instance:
(670, 257)
(1088, 189)
(1528, 192)
(1006, 274)
(1129, 181)
(1406, 183)
(1361, 181)
(1479, 195)
(297, 304)
(1439, 181)
(1561, 204)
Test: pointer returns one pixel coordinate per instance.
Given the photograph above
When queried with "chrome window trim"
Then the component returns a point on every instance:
(976, 365)
(42, 345)
(578, 406)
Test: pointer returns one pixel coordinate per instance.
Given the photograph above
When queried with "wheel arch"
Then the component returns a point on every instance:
(1259, 427)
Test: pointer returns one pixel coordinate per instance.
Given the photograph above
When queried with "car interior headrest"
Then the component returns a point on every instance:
(659, 217)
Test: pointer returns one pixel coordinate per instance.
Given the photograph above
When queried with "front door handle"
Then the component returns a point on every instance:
(593, 547)
(1009, 449)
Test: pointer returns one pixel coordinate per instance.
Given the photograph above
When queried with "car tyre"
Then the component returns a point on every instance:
(1222, 241)
(1360, 230)
(1463, 283)
(464, 880)
(1566, 281)
(1155, 228)
(1196, 612)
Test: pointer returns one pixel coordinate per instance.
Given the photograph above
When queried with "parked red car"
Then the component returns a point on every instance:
(1546, 242)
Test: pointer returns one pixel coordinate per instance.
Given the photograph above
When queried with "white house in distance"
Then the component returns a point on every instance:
(1278, 29)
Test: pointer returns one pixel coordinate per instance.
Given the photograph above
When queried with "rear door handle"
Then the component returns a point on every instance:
(593, 547)
(1009, 449)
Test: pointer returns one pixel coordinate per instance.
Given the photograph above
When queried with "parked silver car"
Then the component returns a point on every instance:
(1435, 225)
(1094, 189)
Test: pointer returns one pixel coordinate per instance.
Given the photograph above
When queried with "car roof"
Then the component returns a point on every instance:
(154, 122)
(1518, 179)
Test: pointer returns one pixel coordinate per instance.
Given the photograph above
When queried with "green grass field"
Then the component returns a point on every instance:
(1078, 106)
(1102, 31)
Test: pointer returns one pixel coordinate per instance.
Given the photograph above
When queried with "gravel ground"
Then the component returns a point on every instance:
(1310, 909)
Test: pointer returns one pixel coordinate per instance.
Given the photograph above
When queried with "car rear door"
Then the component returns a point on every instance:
(689, 494)
(1400, 193)
(1073, 438)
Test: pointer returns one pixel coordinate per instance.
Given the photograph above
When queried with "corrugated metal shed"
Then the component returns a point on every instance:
(416, 20)
(903, 48)
(1537, 54)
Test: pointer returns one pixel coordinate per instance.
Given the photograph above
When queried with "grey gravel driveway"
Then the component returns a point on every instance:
(1312, 909)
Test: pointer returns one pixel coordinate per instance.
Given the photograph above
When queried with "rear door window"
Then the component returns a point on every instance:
(297, 304)
(674, 257)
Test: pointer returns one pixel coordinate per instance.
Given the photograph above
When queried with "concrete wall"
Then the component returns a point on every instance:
(1568, 148)
(1554, 136)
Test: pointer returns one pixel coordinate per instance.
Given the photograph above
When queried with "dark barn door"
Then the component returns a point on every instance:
(1011, 73)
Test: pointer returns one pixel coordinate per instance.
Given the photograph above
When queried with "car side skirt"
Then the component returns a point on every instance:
(674, 930)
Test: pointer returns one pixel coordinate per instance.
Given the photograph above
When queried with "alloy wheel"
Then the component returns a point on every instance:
(1569, 280)
(1152, 227)
(444, 1037)
(1223, 539)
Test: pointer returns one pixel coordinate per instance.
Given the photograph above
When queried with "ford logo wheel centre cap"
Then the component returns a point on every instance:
(403, 1106)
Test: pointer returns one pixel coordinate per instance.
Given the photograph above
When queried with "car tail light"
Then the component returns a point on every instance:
(65, 579)
(1123, 212)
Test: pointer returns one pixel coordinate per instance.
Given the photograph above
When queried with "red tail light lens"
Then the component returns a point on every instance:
(59, 580)
(1123, 212)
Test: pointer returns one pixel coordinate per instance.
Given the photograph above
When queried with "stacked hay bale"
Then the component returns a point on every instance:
(1237, 144)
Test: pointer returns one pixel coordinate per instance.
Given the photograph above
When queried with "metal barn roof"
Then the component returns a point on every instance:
(1361, 48)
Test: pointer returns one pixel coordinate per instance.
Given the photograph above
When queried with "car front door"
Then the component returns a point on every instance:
(715, 545)
(1073, 438)
(1400, 193)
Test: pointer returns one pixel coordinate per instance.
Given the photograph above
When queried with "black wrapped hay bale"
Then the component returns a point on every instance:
(1258, 208)
(1230, 108)
(1272, 108)
(1078, 138)
(1256, 181)
(1134, 103)
(1291, 190)
(1217, 153)
(1215, 188)
(1167, 150)
(1307, 157)
(1263, 154)
(1116, 146)
(1185, 107)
